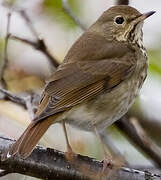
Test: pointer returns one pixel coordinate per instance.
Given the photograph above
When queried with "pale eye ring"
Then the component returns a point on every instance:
(119, 20)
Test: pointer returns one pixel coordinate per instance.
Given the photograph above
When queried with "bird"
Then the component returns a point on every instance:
(97, 82)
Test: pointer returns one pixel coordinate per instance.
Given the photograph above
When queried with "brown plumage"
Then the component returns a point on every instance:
(98, 80)
(28, 140)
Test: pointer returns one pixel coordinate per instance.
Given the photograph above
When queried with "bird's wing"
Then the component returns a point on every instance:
(76, 82)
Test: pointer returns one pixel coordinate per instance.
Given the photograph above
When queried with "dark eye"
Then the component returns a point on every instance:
(119, 20)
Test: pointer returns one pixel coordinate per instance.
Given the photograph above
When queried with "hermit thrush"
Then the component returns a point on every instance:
(97, 81)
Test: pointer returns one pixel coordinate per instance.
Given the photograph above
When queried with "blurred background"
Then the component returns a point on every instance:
(28, 68)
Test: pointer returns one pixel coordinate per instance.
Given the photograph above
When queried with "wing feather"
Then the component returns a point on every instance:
(76, 82)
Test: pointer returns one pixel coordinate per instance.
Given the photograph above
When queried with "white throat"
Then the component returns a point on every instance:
(138, 34)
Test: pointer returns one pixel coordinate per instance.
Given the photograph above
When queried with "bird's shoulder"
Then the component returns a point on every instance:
(94, 46)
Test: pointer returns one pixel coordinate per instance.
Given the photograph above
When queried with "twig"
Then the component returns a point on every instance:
(32, 102)
(152, 125)
(39, 45)
(67, 9)
(5, 58)
(138, 136)
(12, 97)
(122, 2)
(53, 165)
(27, 102)
(29, 106)
(29, 24)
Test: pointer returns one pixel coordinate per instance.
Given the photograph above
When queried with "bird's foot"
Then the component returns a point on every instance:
(107, 163)
(70, 154)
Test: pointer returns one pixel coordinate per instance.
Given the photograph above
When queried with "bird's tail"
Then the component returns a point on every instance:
(28, 140)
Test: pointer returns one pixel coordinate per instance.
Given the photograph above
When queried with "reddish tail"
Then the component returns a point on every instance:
(28, 140)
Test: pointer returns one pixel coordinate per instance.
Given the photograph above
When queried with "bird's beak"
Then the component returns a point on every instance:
(143, 17)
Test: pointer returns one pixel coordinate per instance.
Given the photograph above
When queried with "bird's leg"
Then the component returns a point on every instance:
(107, 162)
(70, 153)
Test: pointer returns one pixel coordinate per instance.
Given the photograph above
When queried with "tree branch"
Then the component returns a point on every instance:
(39, 44)
(53, 164)
(122, 2)
(5, 56)
(138, 136)
(69, 12)
(29, 24)
(29, 102)
(10, 96)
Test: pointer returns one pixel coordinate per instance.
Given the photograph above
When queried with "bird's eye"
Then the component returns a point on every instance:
(119, 20)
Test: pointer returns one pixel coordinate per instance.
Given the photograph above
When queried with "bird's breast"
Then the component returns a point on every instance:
(108, 107)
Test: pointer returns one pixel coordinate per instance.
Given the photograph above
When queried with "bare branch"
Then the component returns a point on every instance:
(12, 97)
(39, 45)
(29, 24)
(27, 102)
(29, 106)
(138, 136)
(122, 2)
(67, 9)
(53, 164)
(5, 58)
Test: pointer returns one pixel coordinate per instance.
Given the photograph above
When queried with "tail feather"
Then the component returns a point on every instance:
(28, 140)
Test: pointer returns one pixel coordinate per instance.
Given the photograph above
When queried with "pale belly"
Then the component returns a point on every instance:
(104, 110)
